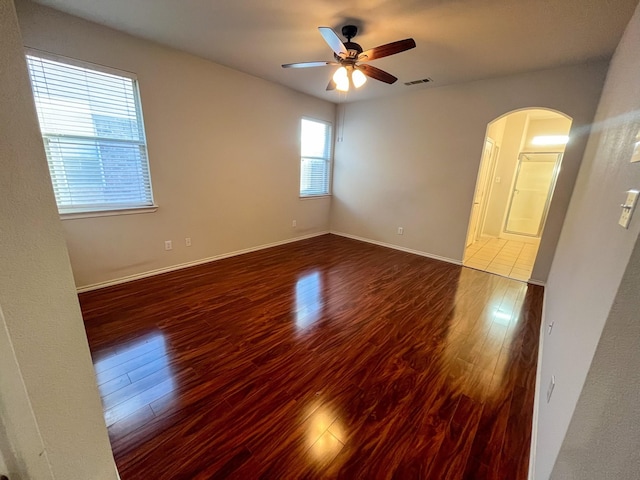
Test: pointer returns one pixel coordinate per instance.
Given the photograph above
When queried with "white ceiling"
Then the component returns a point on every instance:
(457, 40)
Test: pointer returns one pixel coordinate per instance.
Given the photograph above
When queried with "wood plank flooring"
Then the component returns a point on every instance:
(326, 358)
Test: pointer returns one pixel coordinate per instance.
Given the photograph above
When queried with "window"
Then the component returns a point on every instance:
(93, 136)
(315, 152)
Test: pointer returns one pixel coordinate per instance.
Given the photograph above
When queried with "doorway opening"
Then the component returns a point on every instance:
(521, 159)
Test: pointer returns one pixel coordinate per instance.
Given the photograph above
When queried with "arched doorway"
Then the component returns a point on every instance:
(521, 159)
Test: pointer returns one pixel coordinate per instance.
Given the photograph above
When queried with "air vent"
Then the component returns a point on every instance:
(418, 82)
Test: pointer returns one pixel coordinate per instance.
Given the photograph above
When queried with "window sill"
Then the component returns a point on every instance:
(108, 213)
(310, 197)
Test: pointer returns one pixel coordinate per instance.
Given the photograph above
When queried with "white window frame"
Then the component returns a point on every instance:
(328, 159)
(104, 210)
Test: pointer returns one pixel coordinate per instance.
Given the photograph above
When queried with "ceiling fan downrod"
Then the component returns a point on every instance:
(349, 31)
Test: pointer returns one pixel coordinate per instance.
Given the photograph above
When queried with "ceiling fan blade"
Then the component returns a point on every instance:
(332, 85)
(386, 50)
(376, 73)
(334, 41)
(308, 64)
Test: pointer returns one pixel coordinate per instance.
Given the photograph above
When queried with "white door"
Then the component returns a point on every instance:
(532, 191)
(482, 186)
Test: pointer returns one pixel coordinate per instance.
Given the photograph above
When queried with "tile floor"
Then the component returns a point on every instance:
(503, 257)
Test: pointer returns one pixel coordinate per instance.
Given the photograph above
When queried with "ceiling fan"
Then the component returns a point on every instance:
(352, 59)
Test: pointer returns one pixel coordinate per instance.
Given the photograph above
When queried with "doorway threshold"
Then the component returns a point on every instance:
(508, 258)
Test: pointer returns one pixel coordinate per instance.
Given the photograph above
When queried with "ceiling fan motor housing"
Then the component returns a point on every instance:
(349, 56)
(350, 31)
(353, 46)
(354, 50)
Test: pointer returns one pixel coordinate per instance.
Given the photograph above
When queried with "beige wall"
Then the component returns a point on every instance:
(3, 465)
(223, 150)
(4, 470)
(603, 439)
(50, 410)
(545, 126)
(412, 160)
(592, 256)
(510, 148)
(495, 130)
(21, 444)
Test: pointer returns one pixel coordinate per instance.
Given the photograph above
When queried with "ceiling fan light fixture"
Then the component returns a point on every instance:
(343, 84)
(349, 56)
(341, 78)
(358, 78)
(340, 74)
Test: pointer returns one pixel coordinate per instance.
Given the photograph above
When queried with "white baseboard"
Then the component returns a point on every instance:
(520, 238)
(415, 252)
(151, 273)
(397, 247)
(536, 398)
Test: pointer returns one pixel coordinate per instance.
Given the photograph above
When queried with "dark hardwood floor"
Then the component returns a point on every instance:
(325, 358)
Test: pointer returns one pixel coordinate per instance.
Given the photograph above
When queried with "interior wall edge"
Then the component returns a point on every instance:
(49, 399)
(397, 247)
(592, 256)
(536, 398)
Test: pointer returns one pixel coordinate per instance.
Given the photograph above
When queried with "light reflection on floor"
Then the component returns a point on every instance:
(308, 299)
(134, 376)
(322, 443)
(502, 317)
(131, 350)
(478, 341)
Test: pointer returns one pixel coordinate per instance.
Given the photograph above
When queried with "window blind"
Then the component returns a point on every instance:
(315, 152)
(93, 135)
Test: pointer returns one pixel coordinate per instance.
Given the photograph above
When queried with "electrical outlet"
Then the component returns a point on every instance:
(187, 241)
(552, 385)
(168, 245)
(400, 231)
(294, 224)
(628, 207)
(498, 179)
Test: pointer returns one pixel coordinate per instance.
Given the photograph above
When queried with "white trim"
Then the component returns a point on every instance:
(421, 253)
(329, 158)
(111, 206)
(108, 213)
(519, 238)
(75, 62)
(536, 402)
(158, 271)
(397, 247)
(310, 197)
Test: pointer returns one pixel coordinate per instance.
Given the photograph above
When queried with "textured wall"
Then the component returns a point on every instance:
(603, 440)
(48, 396)
(592, 256)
